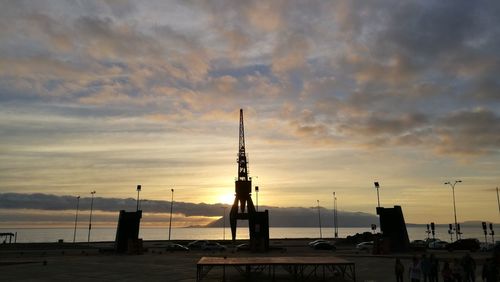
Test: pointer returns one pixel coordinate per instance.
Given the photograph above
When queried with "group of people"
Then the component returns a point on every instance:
(427, 269)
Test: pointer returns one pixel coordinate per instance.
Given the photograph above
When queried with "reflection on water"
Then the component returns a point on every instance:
(108, 234)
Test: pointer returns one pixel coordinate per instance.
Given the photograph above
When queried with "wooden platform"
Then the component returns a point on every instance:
(299, 267)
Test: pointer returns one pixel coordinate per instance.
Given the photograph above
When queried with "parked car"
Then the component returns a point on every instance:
(418, 245)
(213, 246)
(464, 244)
(437, 245)
(429, 240)
(176, 247)
(365, 246)
(324, 246)
(486, 247)
(197, 245)
(312, 243)
(242, 247)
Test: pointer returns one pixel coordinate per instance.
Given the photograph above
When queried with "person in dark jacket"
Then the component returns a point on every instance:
(434, 268)
(399, 270)
(469, 266)
(425, 263)
(447, 273)
(490, 271)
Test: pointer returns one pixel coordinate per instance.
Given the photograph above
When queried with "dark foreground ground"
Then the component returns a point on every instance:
(64, 262)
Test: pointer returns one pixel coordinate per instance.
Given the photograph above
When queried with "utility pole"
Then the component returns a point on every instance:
(378, 197)
(171, 207)
(319, 220)
(336, 218)
(454, 206)
(335, 222)
(90, 218)
(138, 190)
(224, 224)
(76, 217)
(257, 197)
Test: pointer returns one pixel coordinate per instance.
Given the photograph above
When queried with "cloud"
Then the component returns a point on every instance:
(106, 39)
(290, 53)
(123, 86)
(58, 203)
(265, 16)
(386, 125)
(371, 46)
(20, 209)
(470, 132)
(487, 87)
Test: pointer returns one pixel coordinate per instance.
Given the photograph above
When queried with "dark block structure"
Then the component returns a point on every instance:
(259, 231)
(393, 227)
(127, 232)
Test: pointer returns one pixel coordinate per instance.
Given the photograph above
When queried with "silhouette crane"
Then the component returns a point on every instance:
(243, 207)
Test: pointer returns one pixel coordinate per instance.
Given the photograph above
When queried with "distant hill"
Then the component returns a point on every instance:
(308, 217)
(278, 216)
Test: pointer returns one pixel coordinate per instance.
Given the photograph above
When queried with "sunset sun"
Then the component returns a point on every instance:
(225, 199)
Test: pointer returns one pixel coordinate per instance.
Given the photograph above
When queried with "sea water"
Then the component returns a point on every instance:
(25, 235)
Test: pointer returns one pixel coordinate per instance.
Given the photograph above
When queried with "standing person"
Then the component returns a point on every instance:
(415, 270)
(446, 273)
(425, 264)
(457, 270)
(490, 271)
(486, 272)
(399, 269)
(469, 265)
(434, 268)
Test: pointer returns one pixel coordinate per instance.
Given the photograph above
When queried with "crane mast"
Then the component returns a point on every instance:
(242, 156)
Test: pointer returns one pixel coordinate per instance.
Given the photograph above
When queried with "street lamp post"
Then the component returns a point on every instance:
(335, 222)
(171, 207)
(257, 196)
(454, 206)
(378, 198)
(76, 217)
(138, 190)
(90, 218)
(336, 218)
(319, 221)
(224, 224)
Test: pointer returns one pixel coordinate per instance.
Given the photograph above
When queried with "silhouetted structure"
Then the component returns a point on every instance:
(393, 227)
(259, 231)
(243, 207)
(300, 268)
(127, 232)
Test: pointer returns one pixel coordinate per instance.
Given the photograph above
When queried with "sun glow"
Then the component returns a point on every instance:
(226, 199)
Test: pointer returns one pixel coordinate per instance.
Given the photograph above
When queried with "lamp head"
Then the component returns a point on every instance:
(447, 183)
(376, 185)
(139, 187)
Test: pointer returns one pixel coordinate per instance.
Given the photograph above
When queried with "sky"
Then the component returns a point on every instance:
(105, 95)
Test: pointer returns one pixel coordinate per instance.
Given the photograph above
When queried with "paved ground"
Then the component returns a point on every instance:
(62, 264)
